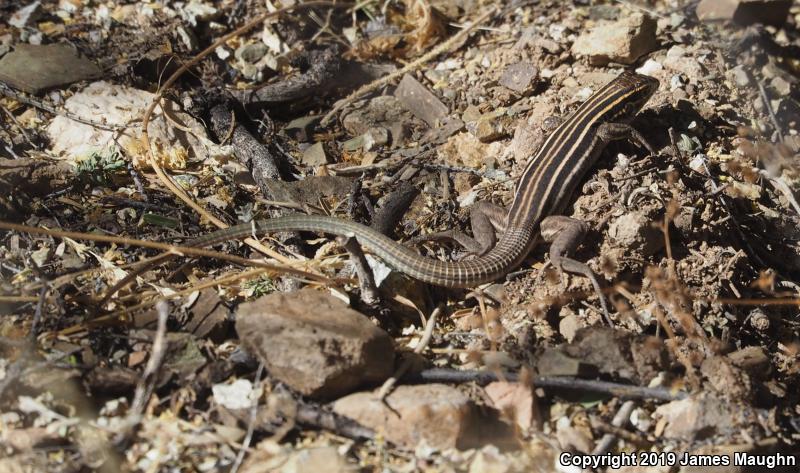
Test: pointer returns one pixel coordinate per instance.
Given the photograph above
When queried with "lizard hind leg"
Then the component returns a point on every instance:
(486, 219)
(564, 235)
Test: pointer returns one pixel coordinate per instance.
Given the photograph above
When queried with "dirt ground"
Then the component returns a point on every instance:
(129, 129)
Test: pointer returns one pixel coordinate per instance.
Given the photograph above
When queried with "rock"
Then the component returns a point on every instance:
(678, 60)
(624, 41)
(375, 137)
(634, 232)
(725, 378)
(35, 68)
(608, 351)
(122, 105)
(236, 395)
(740, 75)
(744, 12)
(420, 101)
(441, 416)
(489, 129)
(515, 400)
(490, 460)
(26, 15)
(703, 416)
(314, 343)
(315, 155)
(752, 360)
(251, 52)
(554, 362)
(384, 111)
(303, 460)
(650, 67)
(568, 326)
(519, 77)
(208, 316)
(302, 128)
(310, 190)
(781, 86)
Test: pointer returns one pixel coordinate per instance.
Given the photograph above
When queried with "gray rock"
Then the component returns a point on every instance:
(385, 111)
(251, 52)
(740, 76)
(314, 343)
(634, 232)
(781, 86)
(624, 41)
(375, 137)
(35, 68)
(703, 416)
(302, 128)
(420, 101)
(519, 77)
(315, 155)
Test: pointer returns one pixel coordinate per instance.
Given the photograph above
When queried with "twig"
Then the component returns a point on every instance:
(171, 249)
(366, 280)
(317, 417)
(442, 375)
(423, 343)
(146, 384)
(385, 80)
(620, 419)
(37, 315)
(770, 112)
(251, 422)
(779, 184)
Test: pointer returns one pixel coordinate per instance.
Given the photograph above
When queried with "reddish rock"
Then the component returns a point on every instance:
(623, 41)
(315, 343)
(440, 415)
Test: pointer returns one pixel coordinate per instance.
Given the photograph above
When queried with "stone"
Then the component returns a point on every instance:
(440, 415)
(302, 128)
(385, 111)
(781, 86)
(702, 416)
(314, 343)
(519, 77)
(725, 379)
(623, 41)
(678, 60)
(744, 12)
(375, 137)
(420, 101)
(35, 68)
(315, 155)
(634, 232)
(327, 459)
(753, 360)
(310, 190)
(26, 15)
(740, 75)
(123, 105)
(251, 52)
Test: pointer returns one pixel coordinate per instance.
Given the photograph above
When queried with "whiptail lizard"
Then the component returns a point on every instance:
(543, 190)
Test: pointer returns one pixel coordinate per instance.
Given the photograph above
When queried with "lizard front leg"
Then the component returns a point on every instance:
(622, 131)
(564, 235)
